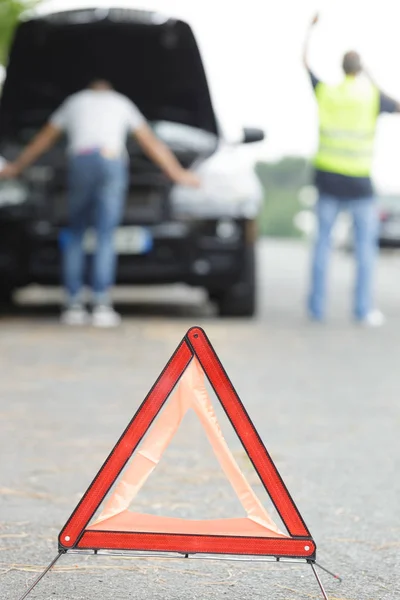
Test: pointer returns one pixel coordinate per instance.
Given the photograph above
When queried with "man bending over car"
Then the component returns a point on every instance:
(96, 121)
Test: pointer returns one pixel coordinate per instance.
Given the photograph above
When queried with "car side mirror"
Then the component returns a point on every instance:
(252, 135)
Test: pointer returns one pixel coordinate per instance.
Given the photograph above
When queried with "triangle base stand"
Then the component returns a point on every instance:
(194, 355)
(312, 563)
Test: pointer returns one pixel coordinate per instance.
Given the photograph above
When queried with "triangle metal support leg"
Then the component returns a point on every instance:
(47, 569)
(339, 579)
(319, 581)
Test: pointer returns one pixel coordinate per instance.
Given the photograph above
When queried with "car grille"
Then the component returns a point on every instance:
(146, 205)
(143, 206)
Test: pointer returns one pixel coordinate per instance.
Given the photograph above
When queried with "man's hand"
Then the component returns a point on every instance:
(313, 22)
(46, 137)
(187, 178)
(9, 171)
(162, 156)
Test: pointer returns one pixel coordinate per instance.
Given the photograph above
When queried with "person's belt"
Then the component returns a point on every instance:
(105, 152)
(86, 151)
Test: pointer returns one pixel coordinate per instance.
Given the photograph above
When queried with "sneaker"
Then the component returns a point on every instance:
(105, 316)
(75, 315)
(375, 318)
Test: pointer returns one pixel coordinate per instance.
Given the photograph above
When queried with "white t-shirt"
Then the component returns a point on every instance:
(98, 119)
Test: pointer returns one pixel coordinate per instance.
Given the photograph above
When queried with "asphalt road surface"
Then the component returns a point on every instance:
(325, 400)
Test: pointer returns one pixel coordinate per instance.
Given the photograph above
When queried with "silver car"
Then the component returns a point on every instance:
(202, 237)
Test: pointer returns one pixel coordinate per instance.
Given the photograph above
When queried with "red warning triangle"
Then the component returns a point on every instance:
(119, 529)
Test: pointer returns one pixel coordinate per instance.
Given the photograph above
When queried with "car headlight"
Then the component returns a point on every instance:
(210, 203)
(12, 193)
(229, 188)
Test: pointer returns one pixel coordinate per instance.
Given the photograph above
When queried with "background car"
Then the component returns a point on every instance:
(389, 221)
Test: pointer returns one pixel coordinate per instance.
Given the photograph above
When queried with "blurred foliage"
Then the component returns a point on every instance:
(282, 182)
(10, 11)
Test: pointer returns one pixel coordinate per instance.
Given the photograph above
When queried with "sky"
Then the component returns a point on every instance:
(253, 56)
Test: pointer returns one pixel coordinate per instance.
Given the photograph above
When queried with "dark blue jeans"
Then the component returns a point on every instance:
(97, 188)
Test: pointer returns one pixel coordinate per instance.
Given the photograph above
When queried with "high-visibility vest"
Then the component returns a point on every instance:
(348, 115)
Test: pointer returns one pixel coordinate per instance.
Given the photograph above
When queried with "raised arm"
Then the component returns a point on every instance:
(392, 105)
(388, 104)
(44, 140)
(313, 22)
(162, 156)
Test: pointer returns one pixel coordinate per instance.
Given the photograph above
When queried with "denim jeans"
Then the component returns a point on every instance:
(365, 221)
(97, 188)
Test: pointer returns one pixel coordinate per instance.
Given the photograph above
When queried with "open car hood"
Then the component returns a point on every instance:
(153, 61)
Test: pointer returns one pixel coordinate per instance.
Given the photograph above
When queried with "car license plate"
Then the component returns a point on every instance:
(127, 240)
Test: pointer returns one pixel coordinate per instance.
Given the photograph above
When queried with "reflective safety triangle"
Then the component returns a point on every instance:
(117, 528)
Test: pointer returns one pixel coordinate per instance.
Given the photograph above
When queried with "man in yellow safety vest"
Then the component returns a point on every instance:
(348, 114)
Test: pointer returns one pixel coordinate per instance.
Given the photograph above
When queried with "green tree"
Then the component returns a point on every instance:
(282, 181)
(10, 11)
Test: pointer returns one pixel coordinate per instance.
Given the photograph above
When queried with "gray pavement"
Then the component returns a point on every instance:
(324, 399)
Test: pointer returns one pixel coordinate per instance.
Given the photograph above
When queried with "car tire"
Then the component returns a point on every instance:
(240, 299)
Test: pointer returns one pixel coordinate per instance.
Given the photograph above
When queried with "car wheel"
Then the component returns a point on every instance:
(240, 299)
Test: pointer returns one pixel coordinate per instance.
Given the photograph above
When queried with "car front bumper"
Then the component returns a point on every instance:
(205, 253)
